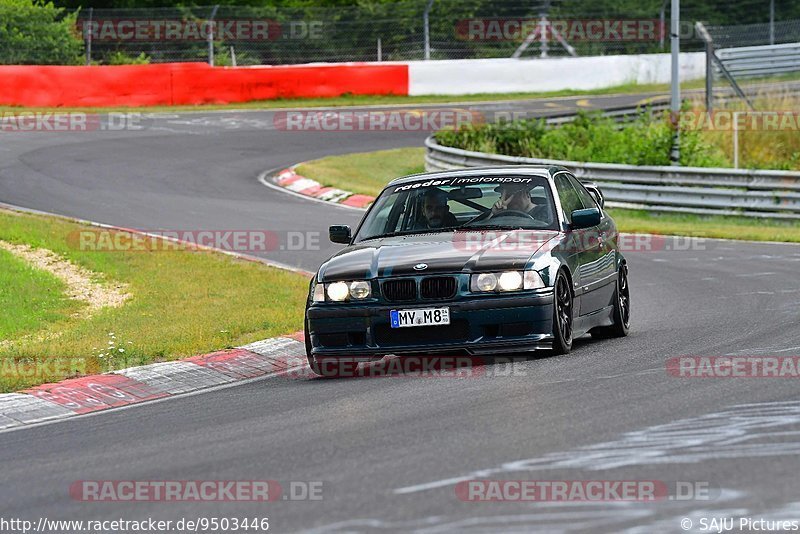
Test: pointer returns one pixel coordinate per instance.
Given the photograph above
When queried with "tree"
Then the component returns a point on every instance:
(35, 32)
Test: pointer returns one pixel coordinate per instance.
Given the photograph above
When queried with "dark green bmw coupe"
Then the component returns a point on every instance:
(482, 261)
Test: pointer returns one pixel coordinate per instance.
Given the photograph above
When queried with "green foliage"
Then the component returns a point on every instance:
(35, 32)
(121, 58)
(222, 57)
(591, 137)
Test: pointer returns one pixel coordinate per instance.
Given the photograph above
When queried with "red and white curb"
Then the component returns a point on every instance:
(289, 179)
(89, 394)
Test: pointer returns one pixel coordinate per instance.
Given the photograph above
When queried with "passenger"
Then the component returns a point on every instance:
(435, 211)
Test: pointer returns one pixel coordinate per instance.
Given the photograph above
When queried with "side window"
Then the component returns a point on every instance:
(586, 197)
(391, 216)
(570, 201)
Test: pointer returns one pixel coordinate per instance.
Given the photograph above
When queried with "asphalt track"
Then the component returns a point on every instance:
(390, 451)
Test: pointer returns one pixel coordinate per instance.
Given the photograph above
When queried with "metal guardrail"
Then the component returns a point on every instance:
(772, 194)
(752, 61)
(722, 95)
(620, 114)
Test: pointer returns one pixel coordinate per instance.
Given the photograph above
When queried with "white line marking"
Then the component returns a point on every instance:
(755, 430)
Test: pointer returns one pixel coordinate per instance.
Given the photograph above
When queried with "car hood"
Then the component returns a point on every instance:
(444, 252)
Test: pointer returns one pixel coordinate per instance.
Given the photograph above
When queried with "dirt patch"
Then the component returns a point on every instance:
(80, 282)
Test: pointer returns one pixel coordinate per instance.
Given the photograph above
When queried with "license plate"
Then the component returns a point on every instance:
(423, 317)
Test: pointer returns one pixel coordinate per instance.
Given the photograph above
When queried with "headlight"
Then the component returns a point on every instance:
(485, 282)
(510, 281)
(342, 291)
(338, 291)
(505, 281)
(359, 290)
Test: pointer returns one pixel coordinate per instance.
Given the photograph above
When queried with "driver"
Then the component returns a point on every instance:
(435, 211)
(517, 197)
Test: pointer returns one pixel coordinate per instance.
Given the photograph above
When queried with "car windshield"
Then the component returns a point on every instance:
(469, 202)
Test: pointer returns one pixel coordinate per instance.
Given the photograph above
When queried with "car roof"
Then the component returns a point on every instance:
(515, 170)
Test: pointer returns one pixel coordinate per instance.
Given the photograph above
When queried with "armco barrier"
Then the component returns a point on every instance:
(752, 61)
(773, 194)
(192, 83)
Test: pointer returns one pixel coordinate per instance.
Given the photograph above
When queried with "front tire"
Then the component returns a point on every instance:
(312, 361)
(562, 315)
(335, 369)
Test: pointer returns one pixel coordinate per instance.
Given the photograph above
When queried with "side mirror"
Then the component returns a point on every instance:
(585, 218)
(340, 233)
(597, 194)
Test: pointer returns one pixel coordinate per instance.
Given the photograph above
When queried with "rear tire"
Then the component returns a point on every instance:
(562, 315)
(622, 309)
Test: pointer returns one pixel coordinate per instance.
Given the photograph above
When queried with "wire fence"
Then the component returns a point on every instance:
(401, 30)
(384, 32)
(761, 33)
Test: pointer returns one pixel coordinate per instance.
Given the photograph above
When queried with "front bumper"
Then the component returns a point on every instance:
(479, 325)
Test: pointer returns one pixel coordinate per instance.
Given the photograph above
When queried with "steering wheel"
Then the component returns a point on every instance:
(512, 213)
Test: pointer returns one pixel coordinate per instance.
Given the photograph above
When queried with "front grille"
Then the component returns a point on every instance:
(386, 336)
(400, 290)
(438, 288)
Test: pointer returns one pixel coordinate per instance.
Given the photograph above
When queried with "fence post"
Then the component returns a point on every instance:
(772, 22)
(706, 37)
(211, 35)
(675, 100)
(88, 37)
(380, 50)
(426, 22)
(543, 36)
(736, 139)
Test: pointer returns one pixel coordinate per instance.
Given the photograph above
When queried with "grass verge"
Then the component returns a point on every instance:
(183, 303)
(30, 298)
(367, 172)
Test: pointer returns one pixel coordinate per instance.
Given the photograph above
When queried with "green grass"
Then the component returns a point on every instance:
(365, 173)
(368, 172)
(184, 303)
(714, 226)
(30, 298)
